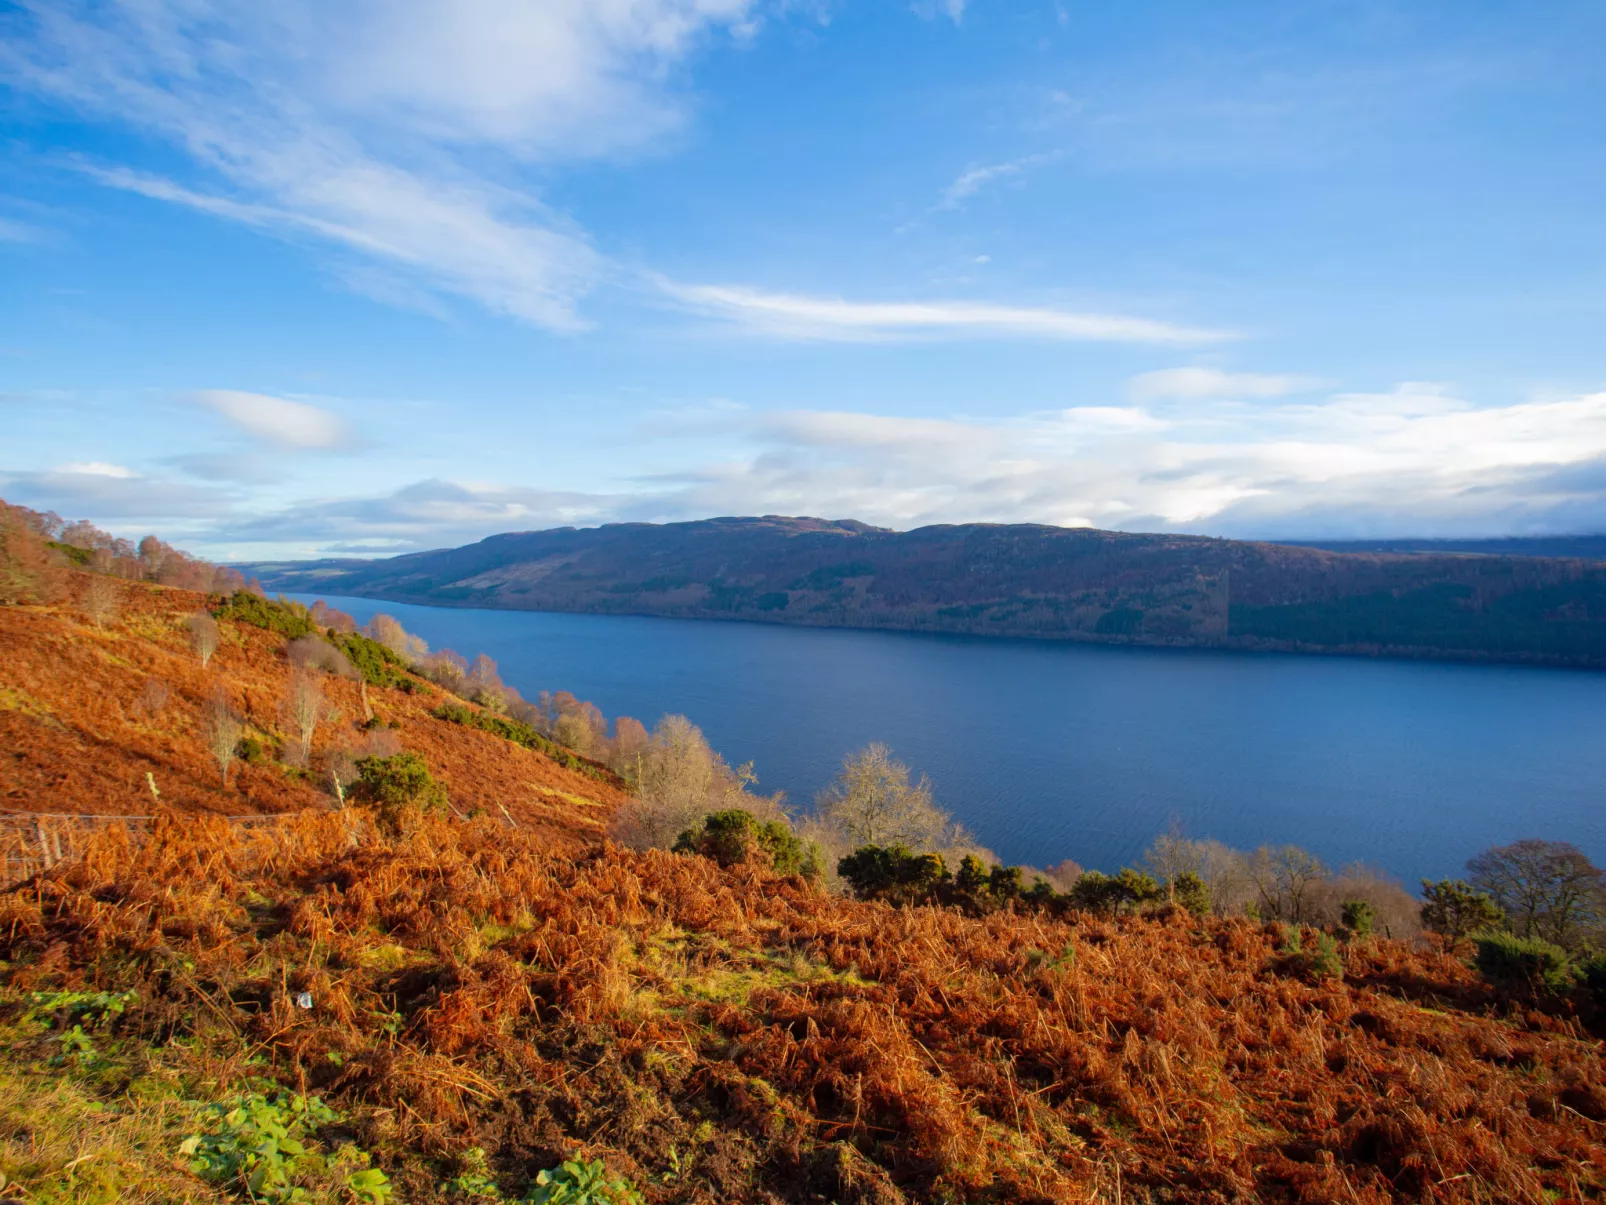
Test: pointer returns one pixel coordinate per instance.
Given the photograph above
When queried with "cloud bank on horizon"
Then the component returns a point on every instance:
(351, 277)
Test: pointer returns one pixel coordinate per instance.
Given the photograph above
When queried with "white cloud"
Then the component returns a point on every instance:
(18, 232)
(1213, 383)
(790, 315)
(973, 180)
(97, 468)
(1413, 461)
(386, 129)
(279, 420)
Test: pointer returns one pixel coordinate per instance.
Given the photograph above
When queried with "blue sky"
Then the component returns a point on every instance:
(366, 277)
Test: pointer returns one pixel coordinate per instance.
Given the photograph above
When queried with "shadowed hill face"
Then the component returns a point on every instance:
(1015, 580)
(87, 712)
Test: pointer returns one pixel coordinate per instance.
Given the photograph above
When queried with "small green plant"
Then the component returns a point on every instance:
(1521, 965)
(251, 751)
(263, 1146)
(577, 1183)
(1357, 918)
(1315, 959)
(474, 1179)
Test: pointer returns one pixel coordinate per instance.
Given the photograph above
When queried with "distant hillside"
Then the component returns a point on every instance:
(1012, 580)
(1586, 547)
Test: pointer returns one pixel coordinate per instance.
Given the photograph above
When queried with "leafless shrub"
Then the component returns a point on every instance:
(221, 727)
(315, 653)
(153, 696)
(447, 669)
(872, 802)
(101, 600)
(1395, 912)
(204, 635)
(379, 742)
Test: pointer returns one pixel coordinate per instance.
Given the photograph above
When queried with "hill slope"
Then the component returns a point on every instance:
(88, 711)
(1017, 580)
(477, 999)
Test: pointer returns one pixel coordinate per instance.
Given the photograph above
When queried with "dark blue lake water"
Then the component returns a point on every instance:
(1049, 751)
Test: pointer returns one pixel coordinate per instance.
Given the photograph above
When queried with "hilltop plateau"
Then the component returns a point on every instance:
(1014, 580)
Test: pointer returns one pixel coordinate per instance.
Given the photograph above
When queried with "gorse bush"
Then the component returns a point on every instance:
(378, 665)
(398, 785)
(1522, 965)
(734, 836)
(287, 618)
(893, 873)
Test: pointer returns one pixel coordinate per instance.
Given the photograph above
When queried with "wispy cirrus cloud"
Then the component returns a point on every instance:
(1196, 383)
(973, 179)
(386, 132)
(281, 421)
(796, 316)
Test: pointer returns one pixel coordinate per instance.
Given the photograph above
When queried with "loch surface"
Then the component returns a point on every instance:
(1053, 750)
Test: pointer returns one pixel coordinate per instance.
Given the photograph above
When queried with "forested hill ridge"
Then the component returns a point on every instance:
(1013, 580)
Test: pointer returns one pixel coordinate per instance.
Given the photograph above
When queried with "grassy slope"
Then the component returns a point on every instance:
(717, 1036)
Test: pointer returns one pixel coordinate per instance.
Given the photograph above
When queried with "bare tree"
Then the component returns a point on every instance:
(1222, 869)
(153, 696)
(389, 632)
(221, 727)
(304, 705)
(1547, 889)
(204, 635)
(101, 600)
(152, 554)
(679, 779)
(1285, 878)
(872, 802)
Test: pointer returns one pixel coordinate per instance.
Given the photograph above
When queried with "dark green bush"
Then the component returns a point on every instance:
(1192, 892)
(398, 785)
(520, 734)
(1521, 965)
(251, 751)
(378, 665)
(893, 873)
(735, 836)
(1129, 890)
(280, 615)
(1592, 976)
(1357, 918)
